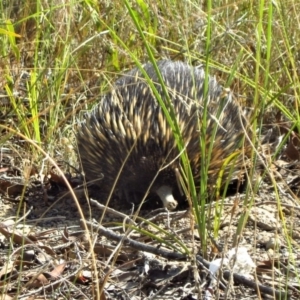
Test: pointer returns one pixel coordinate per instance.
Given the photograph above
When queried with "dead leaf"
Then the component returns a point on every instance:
(15, 236)
(57, 271)
(39, 281)
(8, 270)
(291, 151)
(10, 188)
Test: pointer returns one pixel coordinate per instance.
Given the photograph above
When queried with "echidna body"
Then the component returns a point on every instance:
(128, 135)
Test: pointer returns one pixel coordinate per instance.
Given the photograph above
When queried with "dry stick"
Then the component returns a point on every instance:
(138, 245)
(111, 211)
(173, 255)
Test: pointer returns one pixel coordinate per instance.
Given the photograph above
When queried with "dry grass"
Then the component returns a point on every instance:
(57, 57)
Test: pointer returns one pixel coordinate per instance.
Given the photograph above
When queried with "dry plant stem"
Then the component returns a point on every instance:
(174, 216)
(159, 214)
(111, 211)
(139, 246)
(25, 216)
(179, 256)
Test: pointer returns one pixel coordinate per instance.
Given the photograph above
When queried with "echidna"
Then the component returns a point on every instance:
(127, 133)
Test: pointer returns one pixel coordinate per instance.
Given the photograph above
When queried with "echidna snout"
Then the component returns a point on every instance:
(166, 196)
(128, 139)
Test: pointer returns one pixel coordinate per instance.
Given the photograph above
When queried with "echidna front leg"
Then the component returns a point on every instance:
(166, 196)
(130, 197)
